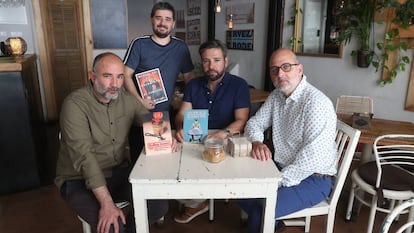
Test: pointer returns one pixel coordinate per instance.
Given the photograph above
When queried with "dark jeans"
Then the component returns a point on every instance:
(307, 193)
(84, 203)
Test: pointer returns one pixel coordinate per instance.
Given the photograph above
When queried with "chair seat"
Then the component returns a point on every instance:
(393, 177)
(320, 209)
(397, 195)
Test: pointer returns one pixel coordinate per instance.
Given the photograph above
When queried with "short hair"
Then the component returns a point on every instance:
(213, 44)
(99, 57)
(162, 6)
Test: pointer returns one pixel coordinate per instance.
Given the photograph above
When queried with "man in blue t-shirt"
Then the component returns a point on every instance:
(227, 99)
(159, 50)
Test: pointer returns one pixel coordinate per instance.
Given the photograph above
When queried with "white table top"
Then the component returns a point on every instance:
(189, 166)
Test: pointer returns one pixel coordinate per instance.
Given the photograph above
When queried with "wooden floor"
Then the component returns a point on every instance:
(42, 210)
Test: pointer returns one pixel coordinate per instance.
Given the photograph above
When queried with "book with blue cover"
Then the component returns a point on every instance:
(195, 126)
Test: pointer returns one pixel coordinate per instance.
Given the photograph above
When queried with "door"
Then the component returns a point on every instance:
(64, 40)
(69, 71)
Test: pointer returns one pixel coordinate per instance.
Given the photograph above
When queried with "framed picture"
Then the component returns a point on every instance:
(240, 39)
(193, 32)
(243, 13)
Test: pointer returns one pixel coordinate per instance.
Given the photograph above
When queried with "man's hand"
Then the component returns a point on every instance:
(176, 145)
(221, 134)
(260, 151)
(179, 135)
(108, 215)
(148, 103)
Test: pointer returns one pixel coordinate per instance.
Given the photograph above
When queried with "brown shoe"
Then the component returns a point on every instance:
(190, 213)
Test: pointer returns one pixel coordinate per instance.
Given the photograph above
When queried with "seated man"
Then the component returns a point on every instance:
(303, 122)
(227, 99)
(94, 163)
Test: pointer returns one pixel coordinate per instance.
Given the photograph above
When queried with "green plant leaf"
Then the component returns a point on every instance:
(403, 46)
(405, 59)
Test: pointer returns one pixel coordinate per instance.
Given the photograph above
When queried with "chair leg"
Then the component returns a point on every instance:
(410, 219)
(372, 213)
(350, 202)
(211, 210)
(307, 224)
(85, 226)
(330, 222)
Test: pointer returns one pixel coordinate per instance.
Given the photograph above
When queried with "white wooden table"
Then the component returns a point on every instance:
(185, 175)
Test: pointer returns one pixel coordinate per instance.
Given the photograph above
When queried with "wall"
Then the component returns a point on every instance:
(251, 63)
(341, 76)
(334, 76)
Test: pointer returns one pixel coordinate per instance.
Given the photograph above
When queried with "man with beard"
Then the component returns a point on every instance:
(303, 123)
(227, 99)
(159, 50)
(94, 163)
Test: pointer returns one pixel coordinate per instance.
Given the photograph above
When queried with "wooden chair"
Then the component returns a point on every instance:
(407, 206)
(346, 142)
(346, 104)
(389, 177)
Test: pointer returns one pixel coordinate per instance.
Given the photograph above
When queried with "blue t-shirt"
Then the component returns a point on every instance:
(172, 59)
(232, 93)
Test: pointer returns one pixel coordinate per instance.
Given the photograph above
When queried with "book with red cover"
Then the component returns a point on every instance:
(157, 133)
(151, 85)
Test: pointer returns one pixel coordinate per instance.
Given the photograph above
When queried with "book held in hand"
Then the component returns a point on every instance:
(157, 133)
(151, 85)
(195, 126)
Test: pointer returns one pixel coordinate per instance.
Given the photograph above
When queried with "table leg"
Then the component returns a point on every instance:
(366, 154)
(141, 214)
(269, 213)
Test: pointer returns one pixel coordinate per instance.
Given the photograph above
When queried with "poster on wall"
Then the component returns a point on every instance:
(240, 39)
(243, 13)
(193, 32)
(180, 22)
(193, 7)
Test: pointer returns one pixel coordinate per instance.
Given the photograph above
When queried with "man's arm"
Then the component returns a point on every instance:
(179, 118)
(241, 116)
(130, 87)
(188, 76)
(108, 213)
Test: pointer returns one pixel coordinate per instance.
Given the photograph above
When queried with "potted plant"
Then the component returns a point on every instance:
(356, 19)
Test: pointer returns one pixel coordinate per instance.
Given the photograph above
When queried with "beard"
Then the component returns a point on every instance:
(283, 86)
(214, 77)
(161, 34)
(106, 92)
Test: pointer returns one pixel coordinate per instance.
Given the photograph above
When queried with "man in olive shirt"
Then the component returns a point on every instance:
(94, 163)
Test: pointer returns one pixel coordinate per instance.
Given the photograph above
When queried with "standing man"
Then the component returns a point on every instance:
(227, 99)
(94, 162)
(303, 122)
(159, 50)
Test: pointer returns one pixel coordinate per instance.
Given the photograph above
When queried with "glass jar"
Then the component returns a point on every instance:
(214, 150)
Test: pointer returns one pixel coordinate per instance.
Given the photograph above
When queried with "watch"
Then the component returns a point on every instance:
(228, 132)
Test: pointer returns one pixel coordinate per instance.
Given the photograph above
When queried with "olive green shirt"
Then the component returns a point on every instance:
(94, 136)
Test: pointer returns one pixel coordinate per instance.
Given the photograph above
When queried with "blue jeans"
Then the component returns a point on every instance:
(307, 193)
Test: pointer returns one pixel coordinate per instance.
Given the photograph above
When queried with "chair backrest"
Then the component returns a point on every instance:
(346, 104)
(391, 217)
(346, 142)
(394, 149)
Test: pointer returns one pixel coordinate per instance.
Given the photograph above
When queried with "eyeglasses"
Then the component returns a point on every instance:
(286, 67)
